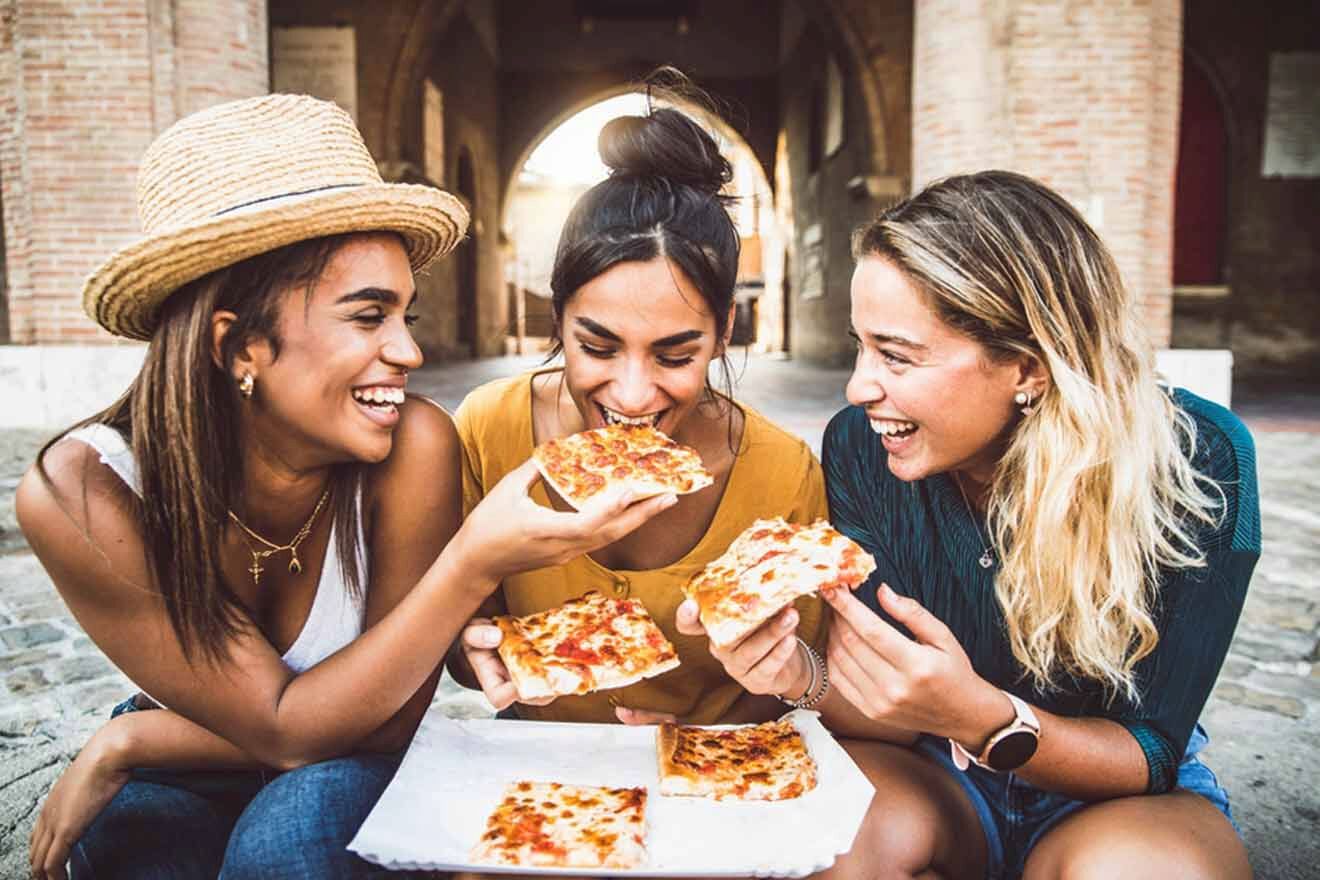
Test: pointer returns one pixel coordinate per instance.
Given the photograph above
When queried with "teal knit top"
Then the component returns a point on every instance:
(927, 546)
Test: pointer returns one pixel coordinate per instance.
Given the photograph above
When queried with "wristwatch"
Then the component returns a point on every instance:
(1009, 747)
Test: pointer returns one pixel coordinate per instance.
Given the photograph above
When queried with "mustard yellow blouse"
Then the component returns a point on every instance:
(774, 474)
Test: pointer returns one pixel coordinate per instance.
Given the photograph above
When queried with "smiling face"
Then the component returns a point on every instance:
(638, 339)
(935, 397)
(333, 391)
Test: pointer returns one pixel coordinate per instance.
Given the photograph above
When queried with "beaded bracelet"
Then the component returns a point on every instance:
(820, 680)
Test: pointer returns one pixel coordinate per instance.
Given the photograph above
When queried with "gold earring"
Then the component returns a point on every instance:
(245, 386)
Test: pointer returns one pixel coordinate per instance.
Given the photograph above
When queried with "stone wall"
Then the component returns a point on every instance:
(1082, 95)
(821, 206)
(84, 88)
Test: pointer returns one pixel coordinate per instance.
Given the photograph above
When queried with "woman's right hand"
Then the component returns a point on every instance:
(78, 796)
(508, 532)
(479, 640)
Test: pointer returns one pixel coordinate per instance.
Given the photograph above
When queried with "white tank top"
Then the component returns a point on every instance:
(336, 617)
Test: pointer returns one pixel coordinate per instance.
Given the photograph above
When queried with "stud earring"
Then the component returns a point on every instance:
(245, 386)
(1023, 399)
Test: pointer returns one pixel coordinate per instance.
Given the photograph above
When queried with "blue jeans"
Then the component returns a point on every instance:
(1015, 814)
(167, 825)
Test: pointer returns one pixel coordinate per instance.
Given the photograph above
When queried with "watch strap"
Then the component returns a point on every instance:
(1023, 719)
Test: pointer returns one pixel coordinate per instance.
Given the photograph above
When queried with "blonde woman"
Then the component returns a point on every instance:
(1068, 545)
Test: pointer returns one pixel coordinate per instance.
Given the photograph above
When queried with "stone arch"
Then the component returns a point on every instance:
(1202, 190)
(428, 18)
(577, 105)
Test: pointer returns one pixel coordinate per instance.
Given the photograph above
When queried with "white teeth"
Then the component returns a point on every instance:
(379, 395)
(613, 418)
(890, 427)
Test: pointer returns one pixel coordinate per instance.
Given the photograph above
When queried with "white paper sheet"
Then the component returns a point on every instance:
(455, 772)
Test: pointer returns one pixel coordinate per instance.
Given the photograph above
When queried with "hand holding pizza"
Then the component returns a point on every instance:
(509, 532)
(765, 661)
(925, 683)
(480, 641)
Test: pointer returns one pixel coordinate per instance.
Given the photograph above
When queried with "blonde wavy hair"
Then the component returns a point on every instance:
(1096, 492)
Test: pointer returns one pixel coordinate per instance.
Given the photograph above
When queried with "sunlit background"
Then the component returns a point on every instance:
(566, 163)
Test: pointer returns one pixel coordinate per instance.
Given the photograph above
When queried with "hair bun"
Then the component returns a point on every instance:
(665, 144)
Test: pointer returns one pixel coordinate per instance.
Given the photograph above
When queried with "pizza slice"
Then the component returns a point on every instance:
(766, 567)
(592, 643)
(764, 762)
(638, 456)
(552, 825)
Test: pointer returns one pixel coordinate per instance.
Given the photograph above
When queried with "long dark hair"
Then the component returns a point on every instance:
(180, 415)
(662, 199)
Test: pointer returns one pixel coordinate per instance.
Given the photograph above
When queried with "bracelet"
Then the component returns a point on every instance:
(819, 685)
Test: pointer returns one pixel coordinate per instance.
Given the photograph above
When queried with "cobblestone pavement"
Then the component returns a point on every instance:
(1262, 718)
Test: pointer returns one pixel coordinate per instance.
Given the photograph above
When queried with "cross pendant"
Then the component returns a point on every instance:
(256, 570)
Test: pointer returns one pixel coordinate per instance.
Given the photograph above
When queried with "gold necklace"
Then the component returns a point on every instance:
(295, 567)
(987, 557)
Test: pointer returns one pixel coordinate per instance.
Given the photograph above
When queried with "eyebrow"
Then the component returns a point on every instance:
(375, 294)
(664, 342)
(892, 339)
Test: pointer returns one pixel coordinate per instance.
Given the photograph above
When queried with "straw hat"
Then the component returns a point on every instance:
(247, 177)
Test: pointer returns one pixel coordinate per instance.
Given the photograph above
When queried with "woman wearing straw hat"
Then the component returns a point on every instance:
(263, 532)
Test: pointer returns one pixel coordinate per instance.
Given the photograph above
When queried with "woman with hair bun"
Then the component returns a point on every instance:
(1063, 547)
(643, 287)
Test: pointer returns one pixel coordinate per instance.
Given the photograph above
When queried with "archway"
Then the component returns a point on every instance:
(1201, 187)
(561, 163)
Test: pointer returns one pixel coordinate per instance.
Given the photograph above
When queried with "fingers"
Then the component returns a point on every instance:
(635, 717)
(492, 675)
(766, 639)
(47, 856)
(482, 635)
(37, 846)
(886, 641)
(866, 669)
(926, 627)
(687, 620)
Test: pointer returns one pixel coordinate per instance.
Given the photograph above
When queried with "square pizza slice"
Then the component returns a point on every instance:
(591, 643)
(766, 567)
(553, 825)
(767, 762)
(644, 459)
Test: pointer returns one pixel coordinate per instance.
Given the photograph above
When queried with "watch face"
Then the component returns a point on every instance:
(1014, 750)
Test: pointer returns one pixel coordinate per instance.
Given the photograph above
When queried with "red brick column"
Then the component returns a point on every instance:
(1082, 95)
(84, 87)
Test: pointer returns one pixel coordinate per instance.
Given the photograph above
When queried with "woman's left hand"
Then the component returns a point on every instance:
(82, 791)
(925, 683)
(765, 661)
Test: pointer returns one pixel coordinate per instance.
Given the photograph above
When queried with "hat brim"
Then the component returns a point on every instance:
(125, 294)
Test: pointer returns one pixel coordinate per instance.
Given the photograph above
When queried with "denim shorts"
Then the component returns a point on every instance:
(1015, 815)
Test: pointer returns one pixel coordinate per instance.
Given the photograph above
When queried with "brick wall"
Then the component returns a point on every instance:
(1078, 93)
(84, 87)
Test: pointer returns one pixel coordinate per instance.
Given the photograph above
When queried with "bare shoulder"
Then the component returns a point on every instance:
(78, 517)
(426, 450)
(69, 481)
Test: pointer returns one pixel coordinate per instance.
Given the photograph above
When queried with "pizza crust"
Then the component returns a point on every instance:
(767, 761)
